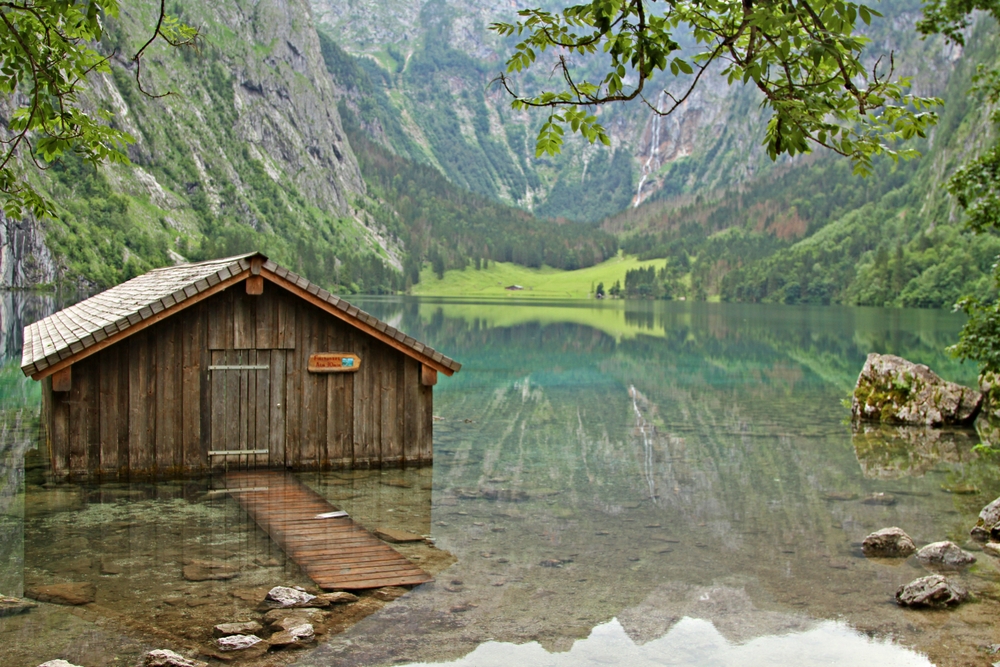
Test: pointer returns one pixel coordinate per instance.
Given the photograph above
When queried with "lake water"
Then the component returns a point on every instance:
(621, 483)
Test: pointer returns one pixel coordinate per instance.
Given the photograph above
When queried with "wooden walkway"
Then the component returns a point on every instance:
(336, 553)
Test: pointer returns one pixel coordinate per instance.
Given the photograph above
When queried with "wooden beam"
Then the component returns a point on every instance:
(428, 376)
(63, 380)
(139, 326)
(356, 323)
(255, 285)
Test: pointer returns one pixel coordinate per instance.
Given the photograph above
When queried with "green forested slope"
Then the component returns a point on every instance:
(814, 233)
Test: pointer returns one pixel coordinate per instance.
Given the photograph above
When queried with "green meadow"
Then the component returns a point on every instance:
(545, 283)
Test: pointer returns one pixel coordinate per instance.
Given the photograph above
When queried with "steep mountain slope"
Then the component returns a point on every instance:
(240, 145)
(432, 63)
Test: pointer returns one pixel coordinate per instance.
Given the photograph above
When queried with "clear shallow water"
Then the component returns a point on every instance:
(622, 483)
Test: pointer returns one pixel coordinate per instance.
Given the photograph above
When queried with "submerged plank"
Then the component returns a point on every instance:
(336, 553)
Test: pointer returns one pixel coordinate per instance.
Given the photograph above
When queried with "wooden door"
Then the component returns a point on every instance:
(240, 409)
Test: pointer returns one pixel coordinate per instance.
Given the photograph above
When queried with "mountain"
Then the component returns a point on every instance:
(240, 145)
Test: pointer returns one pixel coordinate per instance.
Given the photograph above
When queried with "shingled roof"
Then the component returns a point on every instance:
(80, 330)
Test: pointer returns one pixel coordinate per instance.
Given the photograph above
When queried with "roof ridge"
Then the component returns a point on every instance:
(119, 311)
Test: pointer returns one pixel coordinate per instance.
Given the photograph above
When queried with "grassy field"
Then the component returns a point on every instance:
(543, 283)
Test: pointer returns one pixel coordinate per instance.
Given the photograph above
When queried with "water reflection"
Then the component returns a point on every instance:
(620, 483)
(693, 642)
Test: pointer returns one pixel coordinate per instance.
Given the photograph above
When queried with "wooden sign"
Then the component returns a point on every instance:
(334, 362)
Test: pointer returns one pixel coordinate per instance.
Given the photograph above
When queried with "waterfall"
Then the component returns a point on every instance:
(652, 162)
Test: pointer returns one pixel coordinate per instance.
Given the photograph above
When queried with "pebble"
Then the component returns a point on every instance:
(237, 642)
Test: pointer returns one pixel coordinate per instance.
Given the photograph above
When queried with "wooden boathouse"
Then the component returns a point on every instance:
(230, 362)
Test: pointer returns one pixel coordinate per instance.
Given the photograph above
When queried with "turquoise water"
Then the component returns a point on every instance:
(630, 483)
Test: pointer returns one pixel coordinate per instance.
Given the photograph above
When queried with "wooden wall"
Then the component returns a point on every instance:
(152, 405)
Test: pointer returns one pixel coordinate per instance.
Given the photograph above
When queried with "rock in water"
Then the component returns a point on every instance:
(163, 658)
(989, 516)
(58, 663)
(888, 543)
(71, 594)
(338, 597)
(945, 553)
(893, 390)
(283, 597)
(299, 634)
(931, 591)
(992, 549)
(237, 642)
(10, 606)
(227, 629)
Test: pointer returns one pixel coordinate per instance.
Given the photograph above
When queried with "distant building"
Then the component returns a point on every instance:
(513, 288)
(234, 361)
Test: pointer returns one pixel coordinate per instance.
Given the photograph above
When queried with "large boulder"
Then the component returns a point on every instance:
(893, 390)
(888, 543)
(945, 553)
(930, 591)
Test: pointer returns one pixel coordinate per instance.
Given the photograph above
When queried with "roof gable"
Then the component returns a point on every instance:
(102, 320)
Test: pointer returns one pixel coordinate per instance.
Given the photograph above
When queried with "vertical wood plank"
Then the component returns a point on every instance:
(232, 406)
(267, 319)
(365, 446)
(219, 398)
(190, 404)
(124, 395)
(167, 408)
(220, 321)
(288, 308)
(79, 426)
(205, 381)
(263, 405)
(251, 400)
(140, 421)
(276, 435)
(294, 367)
(425, 452)
(108, 410)
(60, 433)
(390, 451)
(411, 408)
(306, 345)
(92, 407)
(244, 321)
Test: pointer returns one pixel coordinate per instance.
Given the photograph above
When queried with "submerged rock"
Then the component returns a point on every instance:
(338, 597)
(283, 597)
(209, 570)
(888, 543)
(165, 658)
(397, 536)
(228, 629)
(70, 594)
(10, 606)
(893, 390)
(989, 516)
(880, 498)
(389, 593)
(930, 591)
(945, 553)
